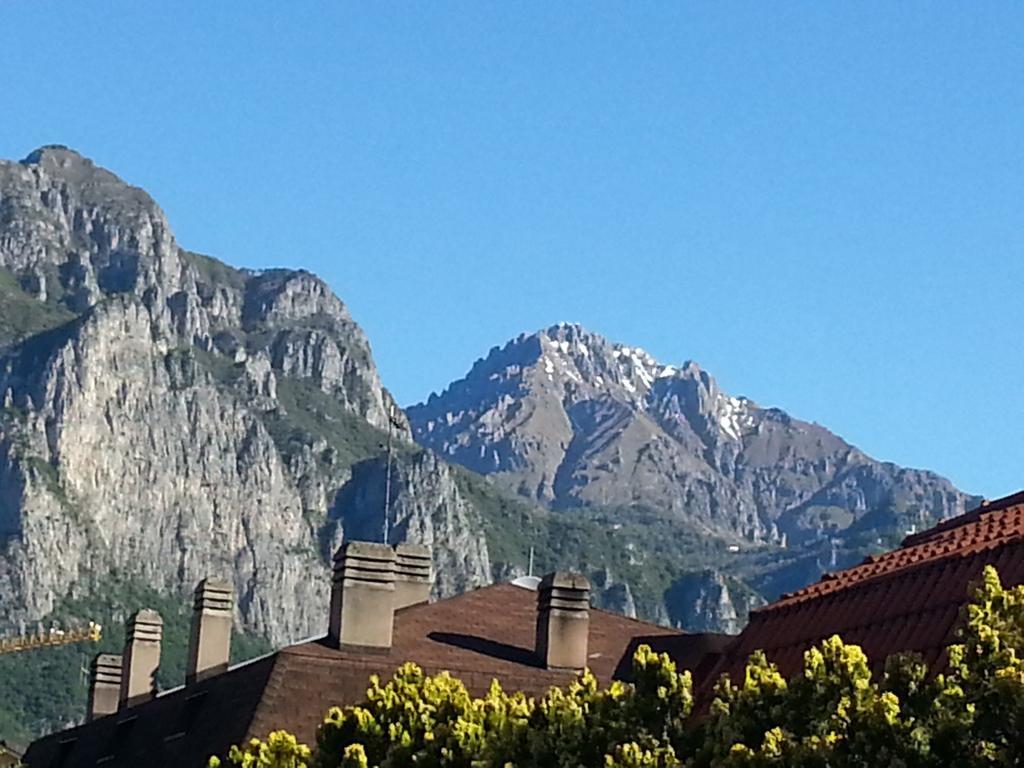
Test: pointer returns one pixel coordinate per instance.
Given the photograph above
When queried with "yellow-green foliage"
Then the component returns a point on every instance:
(833, 715)
(980, 702)
(280, 750)
(416, 719)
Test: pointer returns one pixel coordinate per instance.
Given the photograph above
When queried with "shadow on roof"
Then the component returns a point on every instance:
(485, 647)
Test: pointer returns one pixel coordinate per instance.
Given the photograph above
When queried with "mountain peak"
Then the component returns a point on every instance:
(569, 418)
(569, 362)
(571, 352)
(55, 155)
(91, 182)
(566, 329)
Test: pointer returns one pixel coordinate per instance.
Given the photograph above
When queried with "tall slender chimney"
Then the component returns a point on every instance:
(104, 685)
(209, 645)
(412, 574)
(141, 657)
(363, 595)
(563, 620)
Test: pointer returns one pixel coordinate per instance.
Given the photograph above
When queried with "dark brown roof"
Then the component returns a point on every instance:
(909, 599)
(478, 636)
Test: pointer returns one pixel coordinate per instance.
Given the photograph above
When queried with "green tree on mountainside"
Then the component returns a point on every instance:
(832, 715)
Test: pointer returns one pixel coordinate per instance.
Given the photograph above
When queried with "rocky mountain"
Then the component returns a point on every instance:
(164, 417)
(572, 420)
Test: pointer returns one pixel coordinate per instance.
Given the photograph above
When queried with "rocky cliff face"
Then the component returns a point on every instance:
(166, 417)
(709, 601)
(428, 507)
(572, 420)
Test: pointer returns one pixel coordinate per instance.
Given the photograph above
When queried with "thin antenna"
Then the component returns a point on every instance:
(83, 670)
(530, 571)
(387, 475)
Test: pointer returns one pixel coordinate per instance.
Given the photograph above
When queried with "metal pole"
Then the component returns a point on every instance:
(387, 476)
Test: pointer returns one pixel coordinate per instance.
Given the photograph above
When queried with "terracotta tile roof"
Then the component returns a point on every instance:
(479, 636)
(909, 599)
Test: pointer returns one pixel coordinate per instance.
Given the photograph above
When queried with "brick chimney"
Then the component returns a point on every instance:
(209, 644)
(141, 658)
(104, 685)
(563, 620)
(363, 595)
(412, 574)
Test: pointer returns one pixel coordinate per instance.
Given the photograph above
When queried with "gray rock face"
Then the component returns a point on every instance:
(155, 422)
(427, 507)
(709, 601)
(129, 467)
(567, 418)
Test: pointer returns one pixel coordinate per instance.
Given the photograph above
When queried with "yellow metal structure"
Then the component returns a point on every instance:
(51, 638)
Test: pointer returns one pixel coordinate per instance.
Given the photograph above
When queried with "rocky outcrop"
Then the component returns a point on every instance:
(427, 507)
(136, 462)
(146, 430)
(74, 235)
(708, 601)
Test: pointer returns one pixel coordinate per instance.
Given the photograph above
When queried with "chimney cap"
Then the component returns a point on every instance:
(409, 549)
(365, 550)
(215, 583)
(146, 616)
(565, 580)
(213, 594)
(106, 668)
(413, 562)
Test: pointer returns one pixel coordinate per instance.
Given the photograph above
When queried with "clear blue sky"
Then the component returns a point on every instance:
(819, 202)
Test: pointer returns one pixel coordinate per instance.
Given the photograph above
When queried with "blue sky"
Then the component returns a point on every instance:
(819, 202)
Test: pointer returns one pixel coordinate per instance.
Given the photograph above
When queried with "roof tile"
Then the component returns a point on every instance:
(906, 599)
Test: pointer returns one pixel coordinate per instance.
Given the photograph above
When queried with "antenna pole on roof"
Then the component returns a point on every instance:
(387, 474)
(392, 423)
(530, 570)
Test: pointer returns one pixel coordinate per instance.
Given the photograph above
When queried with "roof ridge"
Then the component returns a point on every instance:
(805, 594)
(975, 515)
(500, 584)
(645, 623)
(430, 603)
(993, 505)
